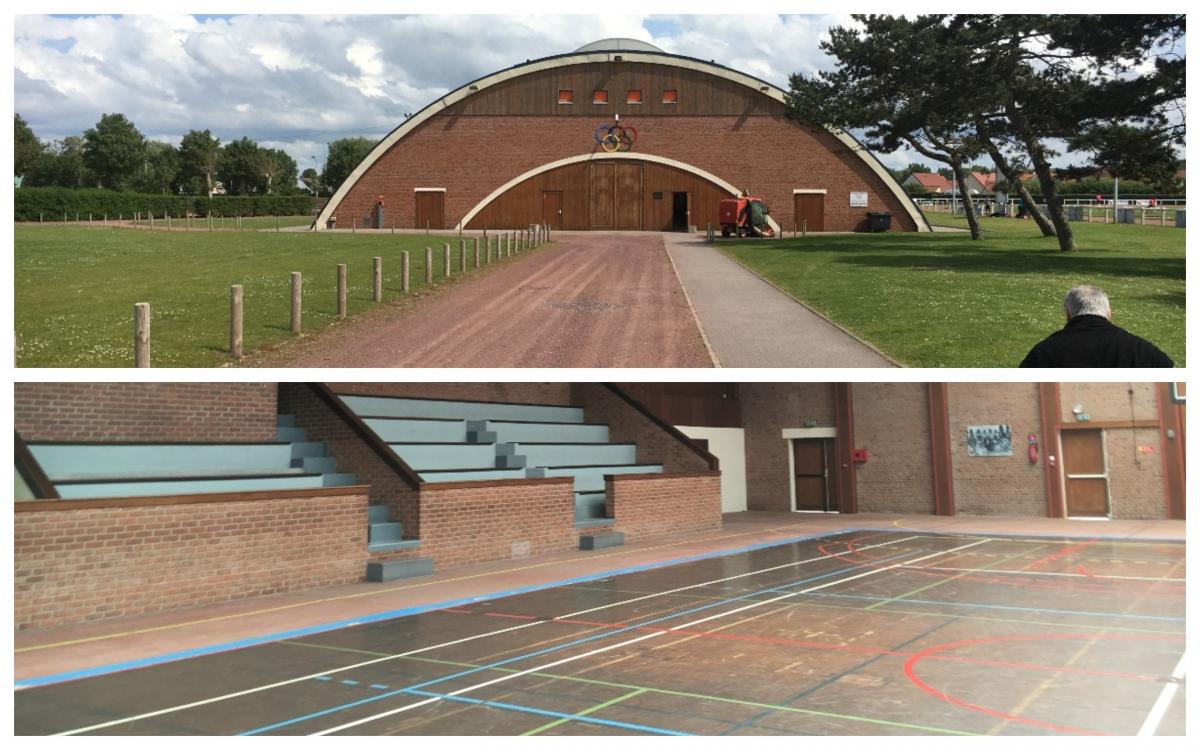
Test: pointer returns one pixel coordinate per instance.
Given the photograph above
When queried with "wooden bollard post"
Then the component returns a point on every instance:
(297, 287)
(477, 252)
(41, 216)
(512, 236)
(708, 233)
(189, 221)
(235, 321)
(487, 244)
(393, 226)
(378, 278)
(210, 227)
(446, 260)
(341, 290)
(105, 221)
(462, 256)
(354, 226)
(276, 222)
(804, 227)
(428, 265)
(141, 334)
(152, 220)
(404, 272)
(89, 218)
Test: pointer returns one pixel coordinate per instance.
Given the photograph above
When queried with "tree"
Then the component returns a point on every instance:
(1128, 152)
(199, 154)
(160, 169)
(113, 150)
(239, 167)
(61, 165)
(27, 149)
(344, 155)
(311, 180)
(277, 169)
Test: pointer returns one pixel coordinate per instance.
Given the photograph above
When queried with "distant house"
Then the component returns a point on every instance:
(930, 182)
(981, 183)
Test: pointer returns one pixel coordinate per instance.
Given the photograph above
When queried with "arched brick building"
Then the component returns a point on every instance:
(518, 147)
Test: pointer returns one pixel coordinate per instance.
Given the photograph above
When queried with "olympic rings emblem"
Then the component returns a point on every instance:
(615, 137)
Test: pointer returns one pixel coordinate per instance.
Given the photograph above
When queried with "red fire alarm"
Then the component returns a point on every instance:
(861, 455)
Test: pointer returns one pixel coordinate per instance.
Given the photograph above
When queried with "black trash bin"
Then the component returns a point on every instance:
(879, 221)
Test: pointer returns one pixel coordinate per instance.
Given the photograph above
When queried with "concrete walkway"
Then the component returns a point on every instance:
(750, 323)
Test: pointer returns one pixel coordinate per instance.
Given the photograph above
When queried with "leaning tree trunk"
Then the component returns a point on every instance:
(1041, 167)
(1010, 176)
(960, 178)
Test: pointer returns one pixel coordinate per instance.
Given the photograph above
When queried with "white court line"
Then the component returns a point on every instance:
(1068, 575)
(543, 667)
(1155, 717)
(369, 662)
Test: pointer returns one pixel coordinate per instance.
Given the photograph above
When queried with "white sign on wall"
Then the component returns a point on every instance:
(858, 200)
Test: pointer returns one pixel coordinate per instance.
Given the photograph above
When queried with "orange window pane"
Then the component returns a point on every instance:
(634, 97)
(599, 97)
(566, 96)
(670, 96)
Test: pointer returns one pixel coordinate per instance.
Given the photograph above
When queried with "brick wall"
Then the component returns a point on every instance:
(472, 522)
(73, 566)
(767, 409)
(1136, 481)
(766, 154)
(204, 412)
(1109, 402)
(891, 420)
(525, 393)
(650, 505)
(999, 485)
(353, 454)
(627, 425)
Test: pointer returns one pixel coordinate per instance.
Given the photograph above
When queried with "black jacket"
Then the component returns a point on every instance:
(1093, 341)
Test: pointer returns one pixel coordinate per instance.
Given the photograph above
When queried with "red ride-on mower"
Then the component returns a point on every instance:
(745, 216)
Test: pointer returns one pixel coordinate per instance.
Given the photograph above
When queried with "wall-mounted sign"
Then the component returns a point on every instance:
(858, 200)
(989, 440)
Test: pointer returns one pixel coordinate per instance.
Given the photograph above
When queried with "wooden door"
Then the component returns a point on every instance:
(552, 208)
(810, 467)
(429, 209)
(810, 207)
(1085, 468)
(603, 182)
(629, 196)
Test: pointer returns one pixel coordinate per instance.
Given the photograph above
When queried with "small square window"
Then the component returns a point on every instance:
(566, 96)
(671, 96)
(599, 97)
(634, 96)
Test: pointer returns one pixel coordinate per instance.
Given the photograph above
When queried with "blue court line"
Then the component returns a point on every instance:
(553, 714)
(1015, 535)
(78, 674)
(553, 649)
(998, 606)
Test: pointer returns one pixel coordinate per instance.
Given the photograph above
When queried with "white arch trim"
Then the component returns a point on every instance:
(560, 61)
(625, 156)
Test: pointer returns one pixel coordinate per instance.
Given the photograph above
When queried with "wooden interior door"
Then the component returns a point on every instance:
(552, 208)
(810, 207)
(810, 467)
(430, 209)
(629, 196)
(603, 182)
(1085, 468)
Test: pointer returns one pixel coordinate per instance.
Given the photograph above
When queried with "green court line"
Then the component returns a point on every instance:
(944, 581)
(585, 712)
(665, 691)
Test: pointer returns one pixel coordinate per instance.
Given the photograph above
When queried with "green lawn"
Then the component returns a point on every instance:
(942, 300)
(75, 288)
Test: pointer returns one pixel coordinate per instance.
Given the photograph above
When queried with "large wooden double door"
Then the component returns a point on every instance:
(615, 195)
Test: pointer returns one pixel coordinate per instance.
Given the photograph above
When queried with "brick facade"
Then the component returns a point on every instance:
(151, 412)
(1109, 402)
(650, 505)
(768, 409)
(74, 566)
(996, 485)
(891, 421)
(627, 425)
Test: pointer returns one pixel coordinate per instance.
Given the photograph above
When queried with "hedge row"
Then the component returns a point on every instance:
(32, 203)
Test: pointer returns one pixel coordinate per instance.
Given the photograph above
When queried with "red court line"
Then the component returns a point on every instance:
(1060, 554)
(721, 635)
(933, 652)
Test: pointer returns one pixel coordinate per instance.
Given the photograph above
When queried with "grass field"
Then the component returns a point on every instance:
(75, 288)
(942, 300)
(227, 223)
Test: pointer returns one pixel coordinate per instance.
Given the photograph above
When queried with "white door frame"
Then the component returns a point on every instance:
(804, 433)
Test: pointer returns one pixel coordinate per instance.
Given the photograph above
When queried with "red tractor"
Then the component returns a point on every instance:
(745, 216)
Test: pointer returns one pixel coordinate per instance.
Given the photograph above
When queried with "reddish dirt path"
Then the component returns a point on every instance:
(594, 300)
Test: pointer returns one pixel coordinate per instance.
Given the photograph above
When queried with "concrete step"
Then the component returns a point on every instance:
(381, 572)
(378, 513)
(389, 531)
(291, 434)
(309, 448)
(432, 456)
(339, 480)
(322, 464)
(402, 430)
(510, 462)
(600, 541)
(285, 420)
(591, 505)
(387, 406)
(480, 436)
(472, 475)
(591, 478)
(508, 431)
(148, 488)
(119, 460)
(575, 454)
